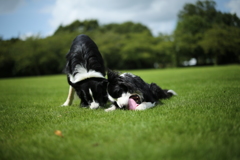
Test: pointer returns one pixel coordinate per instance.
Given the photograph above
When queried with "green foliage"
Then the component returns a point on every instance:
(221, 41)
(36, 56)
(6, 59)
(125, 28)
(202, 122)
(123, 46)
(205, 9)
(202, 32)
(202, 29)
(77, 26)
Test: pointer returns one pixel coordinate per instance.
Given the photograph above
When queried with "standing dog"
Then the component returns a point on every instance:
(131, 92)
(86, 73)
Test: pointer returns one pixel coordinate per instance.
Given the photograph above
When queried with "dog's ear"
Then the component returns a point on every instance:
(112, 75)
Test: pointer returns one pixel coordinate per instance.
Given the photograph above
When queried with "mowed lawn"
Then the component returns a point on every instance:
(202, 122)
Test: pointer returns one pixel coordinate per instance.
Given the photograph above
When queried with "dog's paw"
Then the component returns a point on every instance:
(94, 105)
(144, 105)
(111, 108)
(65, 104)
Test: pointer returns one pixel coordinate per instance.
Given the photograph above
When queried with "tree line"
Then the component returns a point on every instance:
(202, 32)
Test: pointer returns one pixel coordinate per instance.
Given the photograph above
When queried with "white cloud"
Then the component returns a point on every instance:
(234, 6)
(158, 15)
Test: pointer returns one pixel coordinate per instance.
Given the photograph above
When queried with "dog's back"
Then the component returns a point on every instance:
(84, 52)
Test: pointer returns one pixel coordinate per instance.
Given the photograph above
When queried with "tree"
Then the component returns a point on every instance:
(205, 9)
(164, 52)
(187, 35)
(222, 43)
(78, 26)
(6, 58)
(202, 32)
(137, 51)
(125, 28)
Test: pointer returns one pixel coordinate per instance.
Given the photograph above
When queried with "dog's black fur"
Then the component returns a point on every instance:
(127, 84)
(86, 72)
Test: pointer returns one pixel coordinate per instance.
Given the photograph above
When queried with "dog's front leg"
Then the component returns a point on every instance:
(70, 97)
(145, 105)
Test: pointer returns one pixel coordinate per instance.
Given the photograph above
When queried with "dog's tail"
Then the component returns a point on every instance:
(161, 93)
(170, 93)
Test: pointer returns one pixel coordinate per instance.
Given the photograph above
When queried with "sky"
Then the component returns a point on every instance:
(23, 18)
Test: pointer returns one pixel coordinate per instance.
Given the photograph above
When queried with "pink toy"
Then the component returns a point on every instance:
(132, 105)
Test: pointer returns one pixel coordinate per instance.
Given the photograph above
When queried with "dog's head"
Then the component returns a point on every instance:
(121, 89)
(92, 92)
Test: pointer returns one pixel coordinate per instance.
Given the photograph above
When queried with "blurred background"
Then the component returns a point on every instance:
(35, 35)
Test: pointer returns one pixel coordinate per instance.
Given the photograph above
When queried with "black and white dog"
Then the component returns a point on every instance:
(131, 92)
(86, 73)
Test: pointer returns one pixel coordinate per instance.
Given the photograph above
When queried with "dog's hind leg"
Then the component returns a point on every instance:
(161, 93)
(70, 97)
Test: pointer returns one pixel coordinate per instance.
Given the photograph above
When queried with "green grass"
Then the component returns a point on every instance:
(202, 122)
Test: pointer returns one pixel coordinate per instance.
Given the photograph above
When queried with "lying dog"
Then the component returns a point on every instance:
(86, 73)
(129, 91)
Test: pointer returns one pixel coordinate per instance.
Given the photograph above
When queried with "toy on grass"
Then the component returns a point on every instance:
(133, 102)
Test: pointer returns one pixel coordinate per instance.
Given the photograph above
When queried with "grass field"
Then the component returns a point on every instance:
(202, 122)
